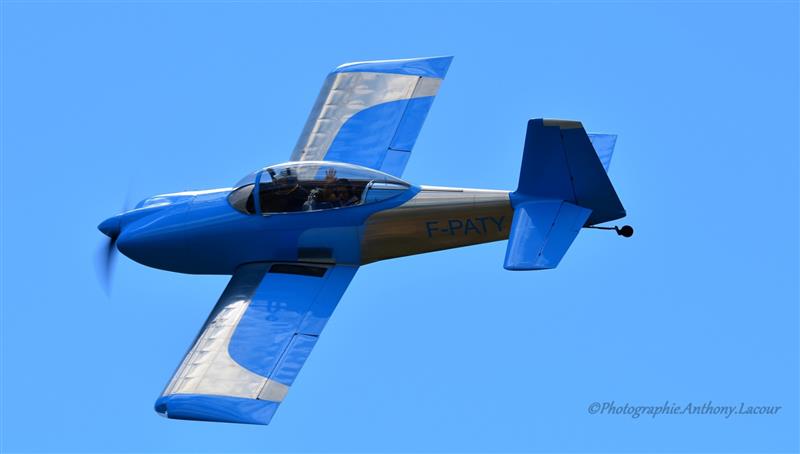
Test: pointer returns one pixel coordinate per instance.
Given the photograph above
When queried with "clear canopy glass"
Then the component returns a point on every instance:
(311, 170)
(313, 185)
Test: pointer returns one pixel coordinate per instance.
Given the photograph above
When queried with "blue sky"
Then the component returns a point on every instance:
(438, 352)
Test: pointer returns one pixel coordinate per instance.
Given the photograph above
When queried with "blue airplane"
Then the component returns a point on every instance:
(293, 235)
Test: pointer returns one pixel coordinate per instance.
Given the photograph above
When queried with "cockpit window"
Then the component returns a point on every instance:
(242, 199)
(313, 185)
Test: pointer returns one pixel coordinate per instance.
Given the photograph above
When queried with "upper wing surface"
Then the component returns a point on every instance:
(370, 113)
(254, 342)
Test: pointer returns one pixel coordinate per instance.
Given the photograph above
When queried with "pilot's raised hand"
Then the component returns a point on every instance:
(330, 175)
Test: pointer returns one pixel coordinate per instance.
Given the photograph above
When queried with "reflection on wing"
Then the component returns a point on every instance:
(254, 343)
(371, 113)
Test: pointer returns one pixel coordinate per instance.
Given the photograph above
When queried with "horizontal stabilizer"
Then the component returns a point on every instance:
(541, 233)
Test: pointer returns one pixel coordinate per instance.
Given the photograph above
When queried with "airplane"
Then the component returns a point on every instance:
(293, 235)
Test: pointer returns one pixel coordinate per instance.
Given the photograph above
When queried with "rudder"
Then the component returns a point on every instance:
(560, 163)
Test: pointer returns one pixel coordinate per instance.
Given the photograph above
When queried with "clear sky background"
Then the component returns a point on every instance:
(438, 352)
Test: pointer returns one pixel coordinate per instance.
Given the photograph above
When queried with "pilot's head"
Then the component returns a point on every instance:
(286, 177)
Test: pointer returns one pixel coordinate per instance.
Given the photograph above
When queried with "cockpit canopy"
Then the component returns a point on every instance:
(311, 186)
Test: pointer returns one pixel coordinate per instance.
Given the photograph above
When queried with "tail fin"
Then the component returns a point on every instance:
(560, 163)
(563, 186)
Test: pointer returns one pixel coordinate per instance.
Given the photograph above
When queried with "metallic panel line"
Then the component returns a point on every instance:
(426, 87)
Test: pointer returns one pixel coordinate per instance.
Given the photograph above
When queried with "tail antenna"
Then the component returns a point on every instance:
(625, 230)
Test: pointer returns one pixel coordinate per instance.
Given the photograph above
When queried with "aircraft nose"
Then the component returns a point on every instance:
(113, 226)
(149, 244)
(110, 226)
(157, 241)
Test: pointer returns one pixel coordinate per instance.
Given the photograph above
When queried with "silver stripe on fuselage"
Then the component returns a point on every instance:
(437, 218)
(208, 367)
(348, 93)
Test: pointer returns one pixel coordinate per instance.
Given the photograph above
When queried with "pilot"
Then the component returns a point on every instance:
(288, 195)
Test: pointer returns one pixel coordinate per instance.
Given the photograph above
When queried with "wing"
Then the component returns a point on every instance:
(254, 343)
(370, 113)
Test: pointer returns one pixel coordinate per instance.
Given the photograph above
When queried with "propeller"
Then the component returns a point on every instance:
(106, 260)
(107, 253)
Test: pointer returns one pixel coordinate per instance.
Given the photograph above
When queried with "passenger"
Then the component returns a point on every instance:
(321, 199)
(345, 194)
(312, 201)
(330, 198)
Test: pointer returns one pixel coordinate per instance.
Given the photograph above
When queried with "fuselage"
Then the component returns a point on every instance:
(201, 232)
(437, 218)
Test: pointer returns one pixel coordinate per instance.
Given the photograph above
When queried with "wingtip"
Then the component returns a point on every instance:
(200, 407)
(422, 66)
